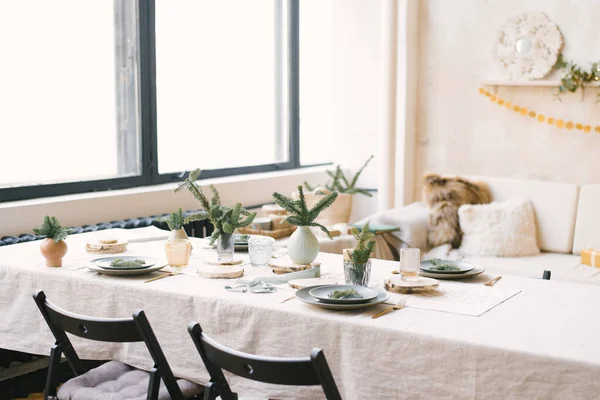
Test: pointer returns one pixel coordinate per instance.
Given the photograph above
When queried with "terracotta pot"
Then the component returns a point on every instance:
(53, 252)
(338, 212)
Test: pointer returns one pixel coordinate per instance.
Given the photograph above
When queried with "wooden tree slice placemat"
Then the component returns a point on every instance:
(306, 282)
(213, 259)
(220, 271)
(104, 248)
(285, 265)
(397, 285)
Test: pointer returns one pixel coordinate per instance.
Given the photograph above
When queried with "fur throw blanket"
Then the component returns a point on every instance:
(444, 195)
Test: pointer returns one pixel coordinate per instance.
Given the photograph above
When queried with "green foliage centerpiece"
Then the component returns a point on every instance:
(341, 184)
(54, 247)
(341, 210)
(303, 246)
(224, 219)
(357, 261)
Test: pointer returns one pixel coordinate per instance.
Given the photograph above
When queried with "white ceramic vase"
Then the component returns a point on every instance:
(178, 234)
(303, 246)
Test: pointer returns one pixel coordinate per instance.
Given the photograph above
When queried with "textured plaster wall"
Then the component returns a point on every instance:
(459, 131)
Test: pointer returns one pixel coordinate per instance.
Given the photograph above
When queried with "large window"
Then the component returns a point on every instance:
(98, 95)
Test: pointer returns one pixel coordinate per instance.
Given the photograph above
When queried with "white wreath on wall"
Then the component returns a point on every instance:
(527, 46)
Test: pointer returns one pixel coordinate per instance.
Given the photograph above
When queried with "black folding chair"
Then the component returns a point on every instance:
(307, 371)
(116, 330)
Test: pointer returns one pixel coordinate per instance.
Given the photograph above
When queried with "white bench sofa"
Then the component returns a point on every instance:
(568, 220)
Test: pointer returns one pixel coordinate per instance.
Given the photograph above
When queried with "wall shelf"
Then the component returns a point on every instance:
(549, 83)
(535, 83)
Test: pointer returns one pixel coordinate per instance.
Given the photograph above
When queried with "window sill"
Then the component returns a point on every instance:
(21, 216)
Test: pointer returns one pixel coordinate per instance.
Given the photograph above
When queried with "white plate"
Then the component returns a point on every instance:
(464, 266)
(322, 293)
(477, 269)
(126, 272)
(303, 295)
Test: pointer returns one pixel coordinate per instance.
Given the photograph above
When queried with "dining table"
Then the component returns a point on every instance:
(521, 338)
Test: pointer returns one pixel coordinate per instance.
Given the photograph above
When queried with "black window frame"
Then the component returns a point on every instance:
(148, 129)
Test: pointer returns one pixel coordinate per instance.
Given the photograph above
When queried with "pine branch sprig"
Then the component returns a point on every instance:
(365, 244)
(52, 229)
(300, 214)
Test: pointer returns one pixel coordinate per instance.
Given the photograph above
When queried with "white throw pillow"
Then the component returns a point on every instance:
(501, 229)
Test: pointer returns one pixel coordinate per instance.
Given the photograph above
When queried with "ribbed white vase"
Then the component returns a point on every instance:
(303, 246)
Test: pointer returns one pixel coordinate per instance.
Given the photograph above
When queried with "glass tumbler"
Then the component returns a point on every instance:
(410, 264)
(178, 252)
(260, 249)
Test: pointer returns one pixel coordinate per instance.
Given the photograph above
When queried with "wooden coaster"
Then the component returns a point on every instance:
(103, 248)
(220, 271)
(213, 260)
(302, 283)
(423, 284)
(285, 266)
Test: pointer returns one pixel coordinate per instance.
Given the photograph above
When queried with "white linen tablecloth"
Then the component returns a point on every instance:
(542, 343)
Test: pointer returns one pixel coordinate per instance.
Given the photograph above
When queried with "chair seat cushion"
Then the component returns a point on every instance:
(117, 381)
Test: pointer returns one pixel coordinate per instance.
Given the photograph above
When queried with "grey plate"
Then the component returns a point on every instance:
(322, 293)
(304, 295)
(125, 272)
(477, 269)
(464, 266)
(104, 262)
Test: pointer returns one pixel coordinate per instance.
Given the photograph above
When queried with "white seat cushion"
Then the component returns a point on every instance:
(502, 228)
(588, 219)
(555, 205)
(117, 381)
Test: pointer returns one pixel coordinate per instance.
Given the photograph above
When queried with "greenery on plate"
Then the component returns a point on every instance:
(345, 294)
(300, 215)
(365, 244)
(52, 229)
(119, 262)
(438, 265)
(224, 219)
(575, 77)
(241, 239)
(176, 220)
(341, 184)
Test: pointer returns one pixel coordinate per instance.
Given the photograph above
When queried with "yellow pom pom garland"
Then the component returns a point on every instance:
(559, 123)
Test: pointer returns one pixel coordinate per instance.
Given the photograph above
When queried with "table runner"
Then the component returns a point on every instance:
(542, 343)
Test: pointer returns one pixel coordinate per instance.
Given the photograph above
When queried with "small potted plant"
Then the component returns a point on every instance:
(357, 261)
(54, 247)
(175, 221)
(178, 247)
(224, 219)
(341, 210)
(303, 245)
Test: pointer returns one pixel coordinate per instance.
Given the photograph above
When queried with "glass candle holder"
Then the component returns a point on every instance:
(178, 252)
(260, 250)
(410, 264)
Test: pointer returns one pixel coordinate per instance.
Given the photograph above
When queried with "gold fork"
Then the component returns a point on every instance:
(176, 271)
(400, 305)
(491, 283)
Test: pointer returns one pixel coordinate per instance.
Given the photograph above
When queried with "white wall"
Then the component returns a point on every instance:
(459, 131)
